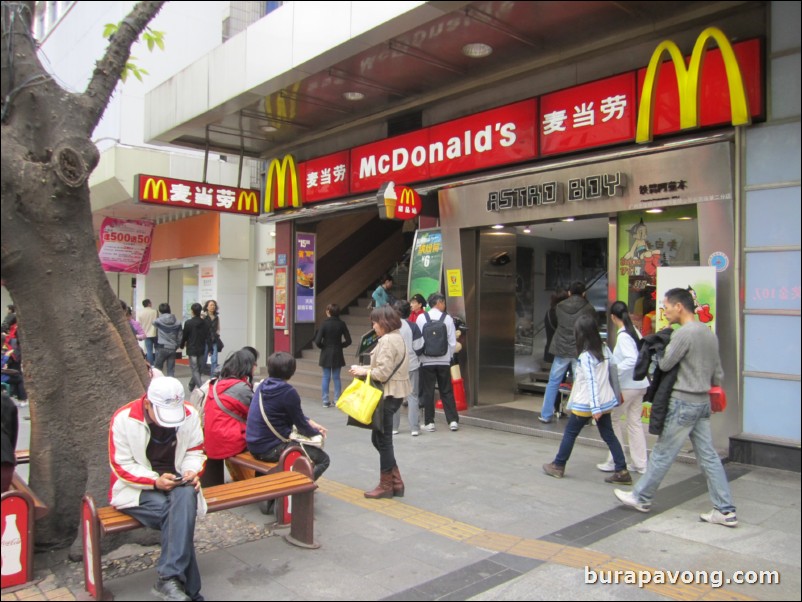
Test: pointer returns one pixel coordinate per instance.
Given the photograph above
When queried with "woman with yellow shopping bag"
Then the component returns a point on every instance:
(388, 365)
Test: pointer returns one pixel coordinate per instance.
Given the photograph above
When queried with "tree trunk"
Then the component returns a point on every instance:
(80, 358)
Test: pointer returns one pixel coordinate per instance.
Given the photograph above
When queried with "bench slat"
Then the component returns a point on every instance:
(223, 497)
(246, 460)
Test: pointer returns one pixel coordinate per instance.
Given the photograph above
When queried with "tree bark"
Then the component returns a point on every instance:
(80, 358)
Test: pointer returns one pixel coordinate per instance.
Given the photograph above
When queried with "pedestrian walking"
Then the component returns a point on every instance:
(625, 356)
(694, 349)
(592, 396)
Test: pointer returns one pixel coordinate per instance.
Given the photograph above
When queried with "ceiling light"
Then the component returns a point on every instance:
(655, 210)
(268, 129)
(685, 218)
(498, 227)
(567, 219)
(477, 50)
(527, 230)
(353, 96)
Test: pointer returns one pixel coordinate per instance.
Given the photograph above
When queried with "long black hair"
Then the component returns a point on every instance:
(619, 310)
(587, 337)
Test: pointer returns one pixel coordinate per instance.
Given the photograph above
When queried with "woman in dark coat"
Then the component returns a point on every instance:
(331, 339)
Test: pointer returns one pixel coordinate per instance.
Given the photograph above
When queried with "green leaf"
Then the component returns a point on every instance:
(110, 29)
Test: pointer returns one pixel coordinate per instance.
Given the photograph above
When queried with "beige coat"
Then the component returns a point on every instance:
(391, 350)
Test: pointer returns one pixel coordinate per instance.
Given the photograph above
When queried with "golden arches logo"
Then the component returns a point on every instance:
(277, 173)
(154, 186)
(246, 197)
(688, 83)
(407, 197)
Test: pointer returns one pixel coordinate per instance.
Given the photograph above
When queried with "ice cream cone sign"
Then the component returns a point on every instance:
(398, 202)
(387, 200)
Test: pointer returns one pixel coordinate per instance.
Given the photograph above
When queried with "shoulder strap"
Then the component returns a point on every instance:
(267, 422)
(224, 408)
(443, 317)
(426, 315)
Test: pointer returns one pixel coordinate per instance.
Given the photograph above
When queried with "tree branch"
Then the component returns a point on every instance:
(108, 69)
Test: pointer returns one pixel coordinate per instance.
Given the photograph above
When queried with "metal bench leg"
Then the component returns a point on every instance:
(90, 533)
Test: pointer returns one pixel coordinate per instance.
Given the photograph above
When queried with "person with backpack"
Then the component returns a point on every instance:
(625, 356)
(439, 343)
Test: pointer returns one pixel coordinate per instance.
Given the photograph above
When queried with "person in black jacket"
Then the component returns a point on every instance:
(331, 339)
(196, 333)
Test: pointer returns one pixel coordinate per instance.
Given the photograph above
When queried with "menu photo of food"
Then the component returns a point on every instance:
(305, 276)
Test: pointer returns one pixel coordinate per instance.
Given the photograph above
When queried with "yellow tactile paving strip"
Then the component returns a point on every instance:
(564, 555)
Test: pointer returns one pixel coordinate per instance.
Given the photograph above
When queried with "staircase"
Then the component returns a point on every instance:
(308, 374)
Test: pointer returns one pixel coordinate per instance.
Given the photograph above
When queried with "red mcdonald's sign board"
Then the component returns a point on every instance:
(186, 194)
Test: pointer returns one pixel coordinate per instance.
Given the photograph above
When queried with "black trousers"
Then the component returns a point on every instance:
(319, 458)
(383, 441)
(442, 376)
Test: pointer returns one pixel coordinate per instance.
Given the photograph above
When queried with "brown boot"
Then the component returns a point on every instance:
(398, 483)
(384, 488)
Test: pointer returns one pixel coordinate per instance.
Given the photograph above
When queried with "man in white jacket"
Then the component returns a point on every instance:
(156, 455)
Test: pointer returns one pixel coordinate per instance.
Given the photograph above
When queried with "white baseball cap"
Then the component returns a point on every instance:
(166, 394)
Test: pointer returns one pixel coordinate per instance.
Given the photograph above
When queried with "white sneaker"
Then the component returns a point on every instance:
(628, 499)
(606, 467)
(415, 433)
(717, 517)
(454, 426)
(395, 432)
(429, 427)
(638, 469)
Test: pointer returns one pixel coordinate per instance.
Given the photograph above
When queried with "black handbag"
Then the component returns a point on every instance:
(219, 343)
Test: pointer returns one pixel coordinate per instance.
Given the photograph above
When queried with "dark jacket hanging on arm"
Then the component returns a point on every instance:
(662, 383)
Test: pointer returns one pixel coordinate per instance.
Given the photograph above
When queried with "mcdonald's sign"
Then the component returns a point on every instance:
(398, 202)
(282, 185)
(155, 189)
(200, 196)
(663, 97)
(248, 198)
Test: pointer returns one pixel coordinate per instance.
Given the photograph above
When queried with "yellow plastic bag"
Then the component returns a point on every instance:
(360, 399)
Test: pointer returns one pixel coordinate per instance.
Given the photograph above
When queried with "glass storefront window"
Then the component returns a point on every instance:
(647, 241)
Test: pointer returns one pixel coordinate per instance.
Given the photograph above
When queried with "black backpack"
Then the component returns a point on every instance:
(435, 336)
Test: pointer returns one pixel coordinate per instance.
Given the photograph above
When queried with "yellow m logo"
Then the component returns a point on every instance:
(152, 189)
(688, 83)
(246, 198)
(407, 197)
(277, 173)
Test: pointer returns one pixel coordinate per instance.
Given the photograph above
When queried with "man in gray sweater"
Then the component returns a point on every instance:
(694, 348)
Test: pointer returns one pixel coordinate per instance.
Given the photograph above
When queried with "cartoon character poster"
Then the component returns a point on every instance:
(699, 281)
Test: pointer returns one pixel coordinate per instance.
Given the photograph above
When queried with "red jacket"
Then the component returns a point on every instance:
(224, 436)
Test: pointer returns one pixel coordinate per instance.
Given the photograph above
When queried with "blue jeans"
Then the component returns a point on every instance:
(558, 369)
(165, 355)
(685, 419)
(173, 513)
(605, 426)
(330, 374)
(150, 343)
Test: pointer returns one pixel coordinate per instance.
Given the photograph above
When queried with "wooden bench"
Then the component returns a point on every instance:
(40, 509)
(296, 482)
(23, 456)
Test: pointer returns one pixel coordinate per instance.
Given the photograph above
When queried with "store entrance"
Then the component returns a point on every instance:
(522, 271)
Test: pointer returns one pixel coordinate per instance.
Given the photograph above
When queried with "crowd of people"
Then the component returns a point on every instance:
(159, 446)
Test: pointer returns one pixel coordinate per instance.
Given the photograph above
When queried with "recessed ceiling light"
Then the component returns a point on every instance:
(477, 50)
(527, 230)
(353, 96)
(498, 227)
(567, 219)
(655, 210)
(685, 219)
(268, 129)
